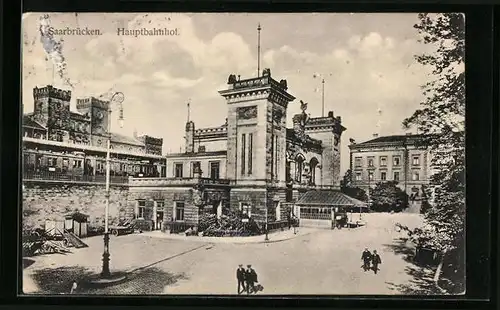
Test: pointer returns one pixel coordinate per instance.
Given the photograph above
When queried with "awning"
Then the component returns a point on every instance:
(329, 198)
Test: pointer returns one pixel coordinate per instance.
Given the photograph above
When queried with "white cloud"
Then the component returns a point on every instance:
(159, 74)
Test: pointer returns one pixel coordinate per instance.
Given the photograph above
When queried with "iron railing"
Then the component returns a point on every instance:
(69, 177)
(315, 216)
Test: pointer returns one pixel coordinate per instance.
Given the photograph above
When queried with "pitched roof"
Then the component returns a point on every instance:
(328, 198)
(29, 122)
(395, 139)
(197, 154)
(118, 138)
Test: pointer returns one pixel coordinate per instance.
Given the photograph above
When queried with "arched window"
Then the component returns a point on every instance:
(299, 160)
(313, 164)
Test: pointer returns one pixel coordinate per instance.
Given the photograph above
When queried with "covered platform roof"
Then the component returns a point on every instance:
(329, 198)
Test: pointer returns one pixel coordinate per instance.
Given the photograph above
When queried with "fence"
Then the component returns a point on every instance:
(315, 216)
(277, 225)
(177, 227)
(68, 177)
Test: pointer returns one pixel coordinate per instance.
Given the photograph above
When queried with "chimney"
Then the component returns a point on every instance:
(408, 133)
(375, 135)
(330, 114)
(190, 137)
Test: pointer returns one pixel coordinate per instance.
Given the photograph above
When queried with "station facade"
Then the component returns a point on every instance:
(252, 162)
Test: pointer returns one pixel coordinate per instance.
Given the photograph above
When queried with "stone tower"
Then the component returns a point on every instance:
(256, 127)
(98, 111)
(256, 139)
(329, 130)
(52, 109)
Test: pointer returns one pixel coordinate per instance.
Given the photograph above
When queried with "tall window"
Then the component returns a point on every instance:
(416, 176)
(397, 160)
(243, 151)
(370, 162)
(179, 211)
(313, 164)
(370, 175)
(194, 164)
(275, 157)
(358, 176)
(142, 208)
(178, 170)
(250, 152)
(416, 160)
(396, 175)
(383, 161)
(298, 170)
(357, 162)
(214, 170)
(383, 175)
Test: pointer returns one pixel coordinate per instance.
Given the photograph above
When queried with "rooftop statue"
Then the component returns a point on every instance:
(231, 79)
(283, 83)
(266, 72)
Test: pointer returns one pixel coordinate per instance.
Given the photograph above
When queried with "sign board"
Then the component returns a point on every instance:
(244, 220)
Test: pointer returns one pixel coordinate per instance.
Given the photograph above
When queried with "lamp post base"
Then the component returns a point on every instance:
(105, 258)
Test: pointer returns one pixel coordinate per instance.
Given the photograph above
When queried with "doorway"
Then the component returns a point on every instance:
(159, 220)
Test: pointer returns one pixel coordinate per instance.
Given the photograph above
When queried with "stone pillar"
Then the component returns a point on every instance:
(155, 219)
(278, 211)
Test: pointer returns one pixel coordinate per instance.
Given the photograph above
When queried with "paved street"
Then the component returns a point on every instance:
(320, 262)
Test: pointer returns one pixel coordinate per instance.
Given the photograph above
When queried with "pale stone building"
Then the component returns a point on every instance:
(402, 158)
(252, 162)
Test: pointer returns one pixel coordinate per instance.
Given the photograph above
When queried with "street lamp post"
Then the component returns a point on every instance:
(117, 97)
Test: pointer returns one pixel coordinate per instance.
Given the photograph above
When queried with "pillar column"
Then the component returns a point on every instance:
(155, 219)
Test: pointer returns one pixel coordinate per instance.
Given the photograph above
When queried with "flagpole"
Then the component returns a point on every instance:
(258, 50)
(323, 98)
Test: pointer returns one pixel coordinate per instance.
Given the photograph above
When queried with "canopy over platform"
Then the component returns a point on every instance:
(330, 198)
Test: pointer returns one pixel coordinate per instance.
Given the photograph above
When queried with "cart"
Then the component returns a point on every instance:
(125, 228)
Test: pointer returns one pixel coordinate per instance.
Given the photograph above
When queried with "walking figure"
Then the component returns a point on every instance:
(73, 287)
(376, 261)
(251, 279)
(240, 276)
(366, 257)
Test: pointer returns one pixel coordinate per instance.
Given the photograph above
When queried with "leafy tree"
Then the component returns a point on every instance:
(424, 208)
(442, 118)
(350, 190)
(387, 196)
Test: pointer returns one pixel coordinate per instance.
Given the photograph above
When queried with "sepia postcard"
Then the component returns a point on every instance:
(243, 154)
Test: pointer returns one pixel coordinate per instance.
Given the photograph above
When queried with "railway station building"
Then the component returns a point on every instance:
(251, 162)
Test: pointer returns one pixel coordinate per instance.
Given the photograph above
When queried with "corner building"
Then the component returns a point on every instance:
(252, 162)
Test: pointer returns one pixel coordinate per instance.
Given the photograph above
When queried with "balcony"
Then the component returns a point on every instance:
(47, 176)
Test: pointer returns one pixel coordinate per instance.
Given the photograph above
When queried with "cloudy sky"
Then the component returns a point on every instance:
(372, 79)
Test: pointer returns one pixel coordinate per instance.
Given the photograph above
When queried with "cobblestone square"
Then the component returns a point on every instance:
(316, 262)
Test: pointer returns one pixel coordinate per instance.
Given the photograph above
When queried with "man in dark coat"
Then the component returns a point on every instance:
(366, 257)
(240, 276)
(251, 279)
(376, 261)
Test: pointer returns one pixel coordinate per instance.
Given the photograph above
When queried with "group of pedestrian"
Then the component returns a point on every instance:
(370, 260)
(247, 280)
